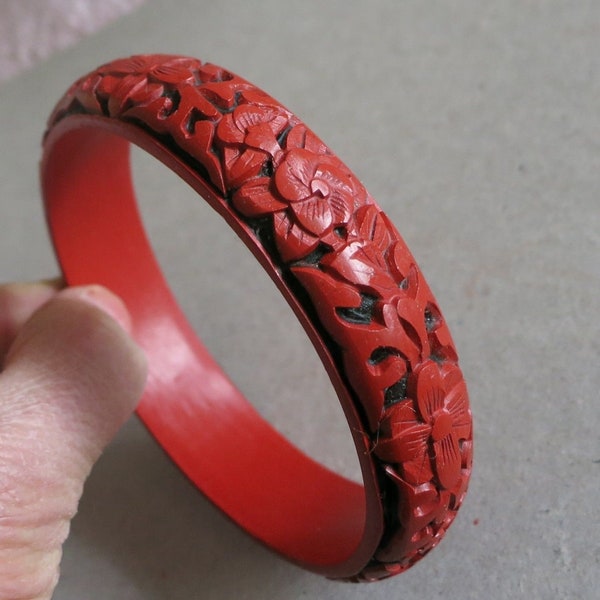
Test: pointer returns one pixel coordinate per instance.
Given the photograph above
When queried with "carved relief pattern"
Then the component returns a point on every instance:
(331, 238)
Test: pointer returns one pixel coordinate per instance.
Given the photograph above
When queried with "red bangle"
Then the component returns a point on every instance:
(340, 264)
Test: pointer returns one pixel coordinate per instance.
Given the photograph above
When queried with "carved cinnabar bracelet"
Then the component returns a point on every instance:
(340, 264)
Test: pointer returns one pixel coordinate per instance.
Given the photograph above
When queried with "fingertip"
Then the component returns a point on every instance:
(101, 298)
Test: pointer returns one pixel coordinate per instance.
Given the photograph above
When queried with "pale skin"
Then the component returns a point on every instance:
(70, 375)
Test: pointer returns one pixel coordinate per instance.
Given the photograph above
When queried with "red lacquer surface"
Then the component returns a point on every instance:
(345, 272)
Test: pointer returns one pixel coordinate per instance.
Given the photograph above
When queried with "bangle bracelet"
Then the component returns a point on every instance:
(340, 264)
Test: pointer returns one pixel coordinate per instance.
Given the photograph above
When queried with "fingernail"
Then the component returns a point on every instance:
(103, 299)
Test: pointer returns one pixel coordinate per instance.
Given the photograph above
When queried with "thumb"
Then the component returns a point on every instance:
(72, 376)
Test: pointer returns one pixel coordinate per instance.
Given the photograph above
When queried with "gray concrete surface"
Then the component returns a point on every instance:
(476, 125)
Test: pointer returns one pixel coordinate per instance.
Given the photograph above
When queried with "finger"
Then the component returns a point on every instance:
(71, 378)
(18, 301)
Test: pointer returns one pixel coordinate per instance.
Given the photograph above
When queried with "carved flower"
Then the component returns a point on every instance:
(141, 80)
(320, 193)
(443, 419)
(249, 136)
(254, 126)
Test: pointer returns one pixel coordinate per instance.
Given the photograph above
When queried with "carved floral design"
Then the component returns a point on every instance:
(248, 136)
(254, 126)
(140, 81)
(412, 437)
(360, 278)
(319, 192)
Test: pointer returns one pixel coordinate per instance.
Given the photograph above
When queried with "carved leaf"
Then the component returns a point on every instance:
(403, 416)
(228, 131)
(400, 259)
(398, 415)
(108, 85)
(132, 89)
(373, 227)
(340, 293)
(246, 117)
(293, 242)
(224, 93)
(295, 137)
(133, 64)
(262, 137)
(209, 73)
(350, 268)
(370, 253)
(152, 112)
(359, 264)
(254, 198)
(86, 94)
(412, 319)
(396, 335)
(243, 166)
(302, 137)
(177, 70)
(418, 471)
(327, 294)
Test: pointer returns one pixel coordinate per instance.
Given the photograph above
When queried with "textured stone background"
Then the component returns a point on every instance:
(476, 125)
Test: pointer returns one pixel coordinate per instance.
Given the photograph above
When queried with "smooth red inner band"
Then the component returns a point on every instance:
(293, 504)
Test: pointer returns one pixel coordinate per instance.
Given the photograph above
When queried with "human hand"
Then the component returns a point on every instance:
(70, 375)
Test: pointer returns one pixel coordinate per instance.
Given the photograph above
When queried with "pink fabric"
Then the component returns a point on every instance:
(30, 30)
